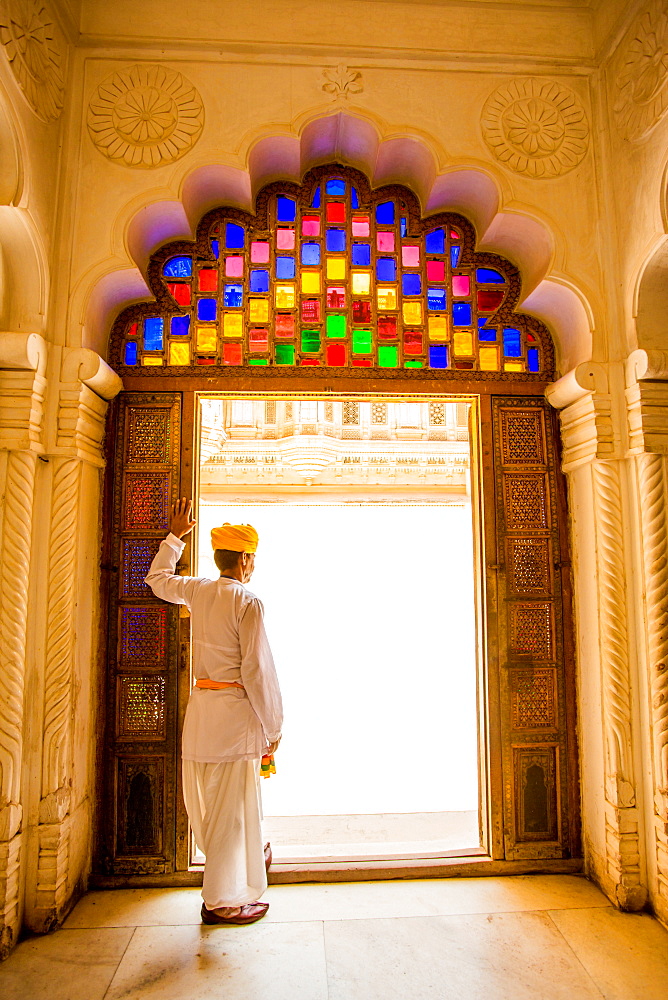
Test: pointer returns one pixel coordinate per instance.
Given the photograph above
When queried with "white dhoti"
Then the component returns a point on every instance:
(224, 807)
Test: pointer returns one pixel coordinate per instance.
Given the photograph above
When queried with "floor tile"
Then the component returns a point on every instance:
(626, 954)
(508, 956)
(258, 962)
(137, 908)
(66, 965)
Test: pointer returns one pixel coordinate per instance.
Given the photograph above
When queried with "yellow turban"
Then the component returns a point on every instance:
(235, 537)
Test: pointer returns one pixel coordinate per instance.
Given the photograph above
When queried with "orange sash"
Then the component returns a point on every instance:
(206, 682)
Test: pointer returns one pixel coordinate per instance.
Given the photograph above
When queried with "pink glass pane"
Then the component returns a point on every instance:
(258, 341)
(180, 291)
(285, 239)
(361, 225)
(461, 284)
(336, 211)
(311, 225)
(362, 312)
(386, 242)
(454, 235)
(387, 327)
(336, 297)
(410, 256)
(336, 355)
(489, 300)
(435, 270)
(234, 267)
(260, 252)
(232, 354)
(285, 325)
(311, 310)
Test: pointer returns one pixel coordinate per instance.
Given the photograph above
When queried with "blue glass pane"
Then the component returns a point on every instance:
(411, 284)
(215, 248)
(310, 253)
(336, 240)
(461, 313)
(386, 269)
(178, 267)
(285, 267)
(316, 198)
(361, 254)
(206, 308)
(180, 326)
(233, 298)
(489, 276)
(533, 360)
(512, 342)
(385, 213)
(286, 209)
(436, 298)
(130, 354)
(435, 241)
(438, 356)
(336, 187)
(454, 255)
(153, 334)
(486, 334)
(259, 281)
(234, 236)
(403, 227)
(354, 200)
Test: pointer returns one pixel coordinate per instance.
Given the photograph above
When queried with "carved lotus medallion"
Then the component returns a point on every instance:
(535, 127)
(642, 80)
(28, 35)
(145, 116)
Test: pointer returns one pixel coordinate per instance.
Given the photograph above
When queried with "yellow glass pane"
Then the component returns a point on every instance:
(206, 338)
(310, 282)
(412, 313)
(463, 343)
(514, 366)
(179, 354)
(438, 328)
(259, 312)
(361, 282)
(489, 359)
(387, 298)
(233, 325)
(336, 268)
(151, 361)
(285, 296)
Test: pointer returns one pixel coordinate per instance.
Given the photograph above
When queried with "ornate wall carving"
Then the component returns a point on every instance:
(340, 82)
(535, 127)
(145, 116)
(28, 35)
(641, 81)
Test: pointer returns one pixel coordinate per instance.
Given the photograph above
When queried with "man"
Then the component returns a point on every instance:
(234, 715)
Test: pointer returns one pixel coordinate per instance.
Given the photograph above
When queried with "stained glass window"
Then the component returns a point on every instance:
(335, 276)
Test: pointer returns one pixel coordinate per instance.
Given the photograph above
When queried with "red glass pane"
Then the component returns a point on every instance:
(132, 332)
(180, 291)
(232, 354)
(336, 211)
(258, 341)
(311, 310)
(412, 343)
(531, 339)
(309, 363)
(464, 364)
(488, 301)
(208, 279)
(205, 361)
(285, 325)
(454, 235)
(435, 270)
(362, 312)
(336, 355)
(362, 362)
(387, 327)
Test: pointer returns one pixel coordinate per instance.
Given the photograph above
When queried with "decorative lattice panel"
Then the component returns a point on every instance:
(531, 628)
(141, 707)
(136, 557)
(532, 698)
(147, 501)
(148, 437)
(522, 438)
(143, 635)
(525, 501)
(528, 565)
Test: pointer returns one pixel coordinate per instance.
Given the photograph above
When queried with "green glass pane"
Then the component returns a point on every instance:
(387, 356)
(361, 341)
(310, 341)
(285, 354)
(413, 364)
(336, 326)
(258, 361)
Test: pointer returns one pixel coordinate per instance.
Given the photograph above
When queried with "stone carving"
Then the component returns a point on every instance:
(535, 127)
(642, 80)
(340, 82)
(28, 35)
(145, 116)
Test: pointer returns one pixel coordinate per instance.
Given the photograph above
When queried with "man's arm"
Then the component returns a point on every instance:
(161, 577)
(258, 673)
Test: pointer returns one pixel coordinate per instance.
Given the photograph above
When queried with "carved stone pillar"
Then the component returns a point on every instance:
(22, 386)
(647, 403)
(81, 394)
(598, 472)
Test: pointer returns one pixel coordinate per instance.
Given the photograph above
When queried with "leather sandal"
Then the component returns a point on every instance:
(267, 856)
(247, 914)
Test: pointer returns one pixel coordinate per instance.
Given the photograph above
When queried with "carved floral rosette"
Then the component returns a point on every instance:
(641, 82)
(27, 33)
(535, 127)
(145, 116)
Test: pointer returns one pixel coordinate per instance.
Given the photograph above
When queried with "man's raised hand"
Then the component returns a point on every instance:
(180, 523)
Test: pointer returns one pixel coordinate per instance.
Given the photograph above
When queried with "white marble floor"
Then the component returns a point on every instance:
(541, 937)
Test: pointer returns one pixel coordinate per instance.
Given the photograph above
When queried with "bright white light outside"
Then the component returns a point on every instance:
(369, 610)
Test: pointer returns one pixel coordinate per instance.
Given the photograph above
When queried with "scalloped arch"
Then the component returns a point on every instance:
(354, 141)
